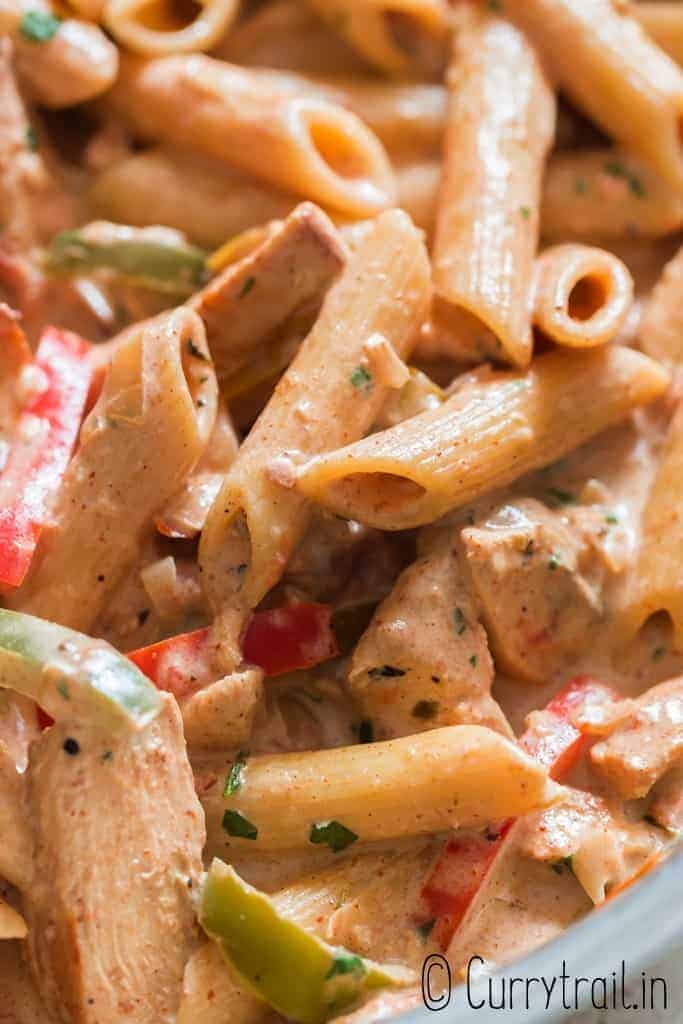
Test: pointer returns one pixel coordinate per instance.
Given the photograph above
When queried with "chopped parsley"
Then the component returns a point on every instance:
(580, 186)
(333, 834)
(525, 211)
(386, 671)
(39, 26)
(560, 496)
(424, 929)
(196, 352)
(366, 733)
(361, 378)
(235, 777)
(618, 170)
(554, 562)
(658, 653)
(108, 755)
(63, 689)
(235, 824)
(460, 621)
(568, 862)
(495, 5)
(246, 287)
(426, 709)
(32, 141)
(473, 660)
(346, 963)
(611, 519)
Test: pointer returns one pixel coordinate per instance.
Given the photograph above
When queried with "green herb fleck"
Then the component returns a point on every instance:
(32, 140)
(366, 732)
(525, 211)
(580, 186)
(495, 5)
(426, 709)
(246, 287)
(39, 26)
(346, 963)
(108, 755)
(460, 621)
(554, 562)
(473, 660)
(618, 170)
(386, 671)
(63, 689)
(235, 777)
(235, 824)
(361, 378)
(568, 862)
(196, 352)
(658, 653)
(333, 834)
(611, 519)
(560, 496)
(424, 930)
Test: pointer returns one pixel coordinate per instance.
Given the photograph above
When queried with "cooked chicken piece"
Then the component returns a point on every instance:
(221, 715)
(528, 572)
(118, 839)
(423, 661)
(19, 999)
(666, 807)
(646, 743)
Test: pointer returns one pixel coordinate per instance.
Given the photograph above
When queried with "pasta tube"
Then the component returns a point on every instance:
(583, 295)
(655, 584)
(201, 197)
(308, 146)
(458, 776)
(607, 65)
(663, 22)
(330, 393)
(488, 212)
(61, 62)
(154, 30)
(486, 436)
(661, 329)
(142, 437)
(398, 36)
(606, 194)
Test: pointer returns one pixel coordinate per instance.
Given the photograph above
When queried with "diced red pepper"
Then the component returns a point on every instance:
(44, 720)
(278, 640)
(465, 862)
(42, 444)
(291, 637)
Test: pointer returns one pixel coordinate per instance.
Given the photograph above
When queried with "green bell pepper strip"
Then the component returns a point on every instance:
(299, 975)
(69, 674)
(166, 267)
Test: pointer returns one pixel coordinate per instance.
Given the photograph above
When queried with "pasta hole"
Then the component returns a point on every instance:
(168, 15)
(587, 297)
(381, 492)
(338, 151)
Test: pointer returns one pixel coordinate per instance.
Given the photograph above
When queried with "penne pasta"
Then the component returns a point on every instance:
(605, 194)
(613, 72)
(663, 22)
(199, 196)
(75, 63)
(484, 437)
(155, 30)
(159, 396)
(583, 295)
(12, 924)
(305, 145)
(457, 776)
(286, 34)
(488, 212)
(397, 36)
(331, 392)
(655, 584)
(661, 328)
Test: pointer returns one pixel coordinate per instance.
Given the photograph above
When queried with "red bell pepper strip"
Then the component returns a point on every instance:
(466, 860)
(278, 640)
(42, 443)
